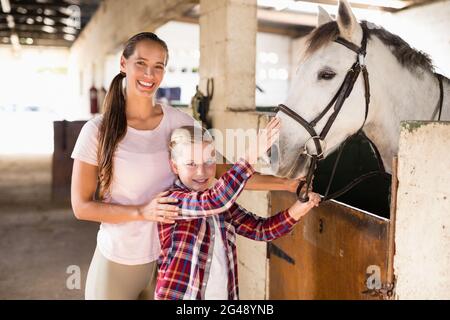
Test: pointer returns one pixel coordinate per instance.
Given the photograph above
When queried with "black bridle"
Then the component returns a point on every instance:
(337, 101)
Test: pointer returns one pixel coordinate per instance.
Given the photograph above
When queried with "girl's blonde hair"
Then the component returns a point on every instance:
(188, 135)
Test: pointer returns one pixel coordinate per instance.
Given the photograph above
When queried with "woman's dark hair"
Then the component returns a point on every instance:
(114, 124)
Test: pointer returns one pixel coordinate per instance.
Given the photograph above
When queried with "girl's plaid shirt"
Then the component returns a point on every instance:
(187, 245)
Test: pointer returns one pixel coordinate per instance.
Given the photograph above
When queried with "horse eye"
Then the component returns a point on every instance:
(326, 75)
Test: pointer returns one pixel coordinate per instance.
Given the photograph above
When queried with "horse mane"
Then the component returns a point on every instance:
(405, 54)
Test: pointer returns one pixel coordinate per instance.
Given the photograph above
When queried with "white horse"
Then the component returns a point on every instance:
(403, 86)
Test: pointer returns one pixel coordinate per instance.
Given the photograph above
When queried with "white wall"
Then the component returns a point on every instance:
(426, 28)
(111, 67)
(422, 226)
(273, 62)
(34, 76)
(184, 43)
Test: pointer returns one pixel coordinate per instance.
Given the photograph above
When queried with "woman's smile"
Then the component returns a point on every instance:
(144, 85)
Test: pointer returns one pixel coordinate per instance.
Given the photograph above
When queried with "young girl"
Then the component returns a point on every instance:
(198, 259)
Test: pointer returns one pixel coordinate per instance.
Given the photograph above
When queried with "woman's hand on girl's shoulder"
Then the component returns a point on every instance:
(160, 209)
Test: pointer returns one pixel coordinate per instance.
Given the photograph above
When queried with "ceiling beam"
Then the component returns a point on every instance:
(22, 21)
(32, 27)
(32, 34)
(43, 43)
(264, 26)
(34, 13)
(36, 5)
(287, 17)
(5, 5)
(23, 10)
(372, 5)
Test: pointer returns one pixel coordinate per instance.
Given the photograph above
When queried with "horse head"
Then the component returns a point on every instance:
(324, 64)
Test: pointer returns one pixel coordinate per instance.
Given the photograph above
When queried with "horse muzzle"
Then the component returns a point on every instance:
(288, 168)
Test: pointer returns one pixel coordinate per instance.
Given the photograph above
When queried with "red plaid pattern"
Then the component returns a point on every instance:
(187, 244)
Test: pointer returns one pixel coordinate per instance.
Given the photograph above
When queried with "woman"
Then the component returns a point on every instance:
(126, 152)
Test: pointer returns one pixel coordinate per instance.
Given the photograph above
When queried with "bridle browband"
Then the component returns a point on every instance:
(337, 101)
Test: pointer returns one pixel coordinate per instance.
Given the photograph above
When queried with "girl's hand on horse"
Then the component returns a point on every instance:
(160, 209)
(299, 209)
(265, 139)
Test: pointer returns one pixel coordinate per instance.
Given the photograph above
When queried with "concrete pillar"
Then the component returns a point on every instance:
(228, 52)
(422, 224)
(228, 55)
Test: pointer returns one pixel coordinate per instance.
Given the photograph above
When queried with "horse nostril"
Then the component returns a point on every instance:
(269, 152)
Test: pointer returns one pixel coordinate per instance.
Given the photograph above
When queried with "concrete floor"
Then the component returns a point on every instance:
(39, 239)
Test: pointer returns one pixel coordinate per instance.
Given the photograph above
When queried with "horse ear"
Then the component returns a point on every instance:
(349, 27)
(323, 17)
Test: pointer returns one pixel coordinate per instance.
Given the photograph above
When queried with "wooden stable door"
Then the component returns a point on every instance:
(331, 254)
